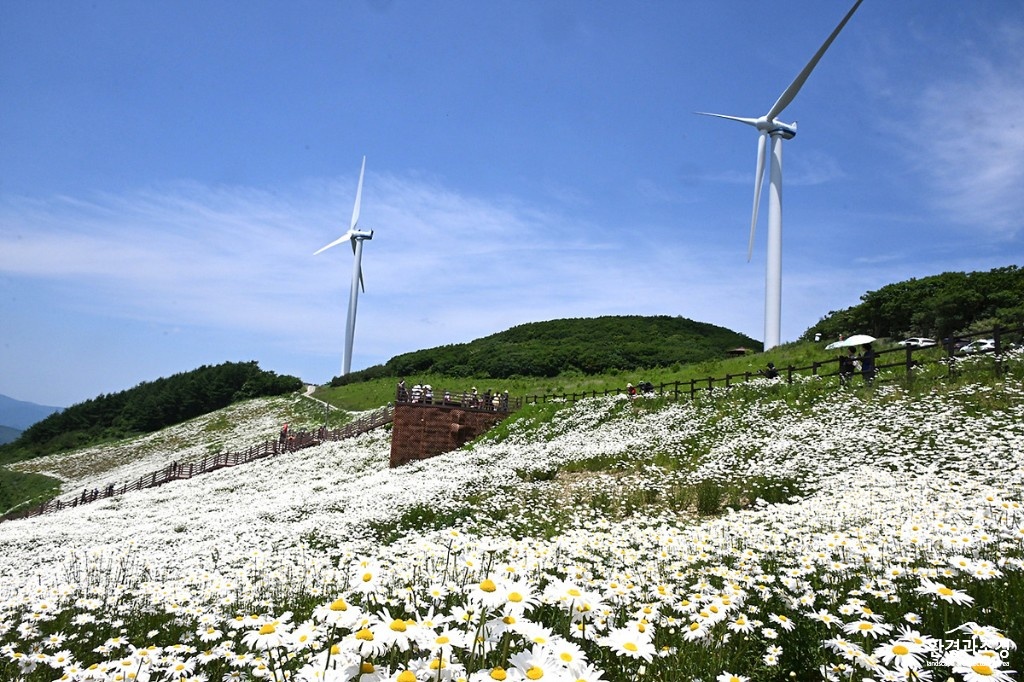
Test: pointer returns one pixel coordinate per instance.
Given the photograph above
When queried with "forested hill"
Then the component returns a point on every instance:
(940, 306)
(150, 406)
(585, 345)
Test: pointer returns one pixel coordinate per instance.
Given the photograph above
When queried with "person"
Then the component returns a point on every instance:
(400, 393)
(428, 394)
(867, 364)
(770, 372)
(631, 390)
(284, 435)
(416, 392)
(846, 367)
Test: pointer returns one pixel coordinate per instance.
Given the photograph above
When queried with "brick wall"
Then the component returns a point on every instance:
(423, 431)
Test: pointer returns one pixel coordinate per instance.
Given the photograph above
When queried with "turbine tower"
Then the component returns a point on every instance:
(768, 126)
(356, 238)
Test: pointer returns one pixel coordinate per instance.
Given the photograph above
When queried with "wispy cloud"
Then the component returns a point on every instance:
(968, 139)
(442, 267)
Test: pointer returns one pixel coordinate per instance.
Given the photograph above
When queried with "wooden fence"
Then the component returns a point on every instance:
(183, 470)
(908, 360)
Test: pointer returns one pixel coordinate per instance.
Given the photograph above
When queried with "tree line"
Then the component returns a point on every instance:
(576, 345)
(941, 306)
(148, 407)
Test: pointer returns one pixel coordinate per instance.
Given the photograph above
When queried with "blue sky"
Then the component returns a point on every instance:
(167, 170)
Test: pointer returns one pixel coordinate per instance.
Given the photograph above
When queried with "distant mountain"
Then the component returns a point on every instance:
(8, 435)
(19, 414)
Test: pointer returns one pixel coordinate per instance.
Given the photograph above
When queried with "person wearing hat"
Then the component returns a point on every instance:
(631, 390)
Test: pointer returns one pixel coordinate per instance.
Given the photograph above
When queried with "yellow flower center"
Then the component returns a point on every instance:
(443, 639)
(534, 673)
(268, 629)
(398, 625)
(339, 605)
(365, 635)
(367, 577)
(981, 669)
(864, 627)
(488, 585)
(900, 650)
(407, 676)
(508, 620)
(515, 596)
(945, 591)
(573, 592)
(694, 626)
(366, 668)
(498, 674)
(630, 646)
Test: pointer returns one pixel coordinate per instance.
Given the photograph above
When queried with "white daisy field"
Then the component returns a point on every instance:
(758, 533)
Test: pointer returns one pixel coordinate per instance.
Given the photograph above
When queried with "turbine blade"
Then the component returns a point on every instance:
(758, 182)
(795, 86)
(748, 121)
(359, 197)
(343, 238)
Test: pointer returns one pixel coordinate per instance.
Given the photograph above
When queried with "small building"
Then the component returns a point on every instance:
(738, 352)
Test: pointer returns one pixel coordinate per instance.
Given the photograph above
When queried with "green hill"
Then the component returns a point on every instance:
(583, 345)
(148, 407)
(940, 306)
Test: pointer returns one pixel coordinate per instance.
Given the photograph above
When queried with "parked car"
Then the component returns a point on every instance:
(978, 346)
(916, 342)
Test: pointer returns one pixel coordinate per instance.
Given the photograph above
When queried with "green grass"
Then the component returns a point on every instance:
(378, 392)
(18, 489)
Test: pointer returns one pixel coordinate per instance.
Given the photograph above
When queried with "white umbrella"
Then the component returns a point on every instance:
(855, 340)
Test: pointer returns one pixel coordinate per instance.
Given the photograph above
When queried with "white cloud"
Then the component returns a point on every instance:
(969, 140)
(442, 267)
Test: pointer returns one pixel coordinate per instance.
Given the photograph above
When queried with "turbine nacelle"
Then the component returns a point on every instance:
(773, 127)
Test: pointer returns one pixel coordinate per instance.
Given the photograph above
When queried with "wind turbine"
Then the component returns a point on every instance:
(356, 238)
(778, 131)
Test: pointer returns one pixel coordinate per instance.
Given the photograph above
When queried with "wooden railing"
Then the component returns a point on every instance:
(907, 359)
(183, 470)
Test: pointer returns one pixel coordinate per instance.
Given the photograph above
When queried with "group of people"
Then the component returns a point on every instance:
(424, 393)
(851, 363)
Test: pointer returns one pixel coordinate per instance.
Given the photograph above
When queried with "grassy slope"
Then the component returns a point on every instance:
(374, 393)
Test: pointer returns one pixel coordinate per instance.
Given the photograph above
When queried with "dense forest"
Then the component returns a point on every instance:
(940, 306)
(148, 407)
(584, 345)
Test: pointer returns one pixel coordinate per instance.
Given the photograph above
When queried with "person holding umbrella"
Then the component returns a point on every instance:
(867, 364)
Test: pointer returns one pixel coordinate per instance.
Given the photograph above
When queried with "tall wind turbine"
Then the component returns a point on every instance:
(768, 126)
(356, 238)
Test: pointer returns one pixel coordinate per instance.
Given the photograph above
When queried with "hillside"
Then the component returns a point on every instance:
(941, 306)
(752, 532)
(148, 407)
(582, 345)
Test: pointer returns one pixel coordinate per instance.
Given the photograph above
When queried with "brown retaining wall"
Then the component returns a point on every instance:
(424, 431)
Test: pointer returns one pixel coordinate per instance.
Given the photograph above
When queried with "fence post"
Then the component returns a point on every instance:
(998, 349)
(814, 368)
(789, 373)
